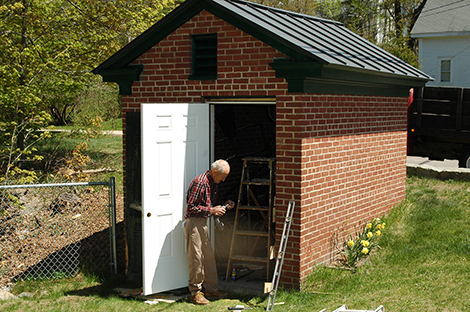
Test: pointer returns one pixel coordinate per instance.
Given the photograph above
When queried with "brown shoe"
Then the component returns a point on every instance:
(199, 299)
(215, 294)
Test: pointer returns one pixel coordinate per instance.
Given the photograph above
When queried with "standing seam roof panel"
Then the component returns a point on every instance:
(385, 60)
(313, 43)
(359, 51)
(401, 66)
(327, 40)
(266, 25)
(359, 54)
(301, 43)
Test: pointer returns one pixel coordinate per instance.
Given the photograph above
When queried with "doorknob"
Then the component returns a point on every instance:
(149, 214)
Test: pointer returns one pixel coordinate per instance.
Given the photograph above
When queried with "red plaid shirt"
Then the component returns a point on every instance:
(201, 196)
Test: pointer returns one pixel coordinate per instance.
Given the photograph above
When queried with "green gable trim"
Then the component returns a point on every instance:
(124, 77)
(322, 86)
(313, 77)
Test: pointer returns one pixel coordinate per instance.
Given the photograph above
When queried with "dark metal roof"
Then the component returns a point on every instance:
(327, 48)
(326, 41)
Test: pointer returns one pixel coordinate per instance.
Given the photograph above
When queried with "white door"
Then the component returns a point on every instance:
(175, 149)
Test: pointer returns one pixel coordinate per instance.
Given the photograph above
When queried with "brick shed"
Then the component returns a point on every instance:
(328, 105)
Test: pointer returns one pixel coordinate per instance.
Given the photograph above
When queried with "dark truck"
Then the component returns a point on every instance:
(439, 124)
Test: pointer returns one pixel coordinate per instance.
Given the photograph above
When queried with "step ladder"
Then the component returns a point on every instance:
(257, 183)
(280, 256)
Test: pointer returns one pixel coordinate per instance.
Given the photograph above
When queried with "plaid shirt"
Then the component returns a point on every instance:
(202, 193)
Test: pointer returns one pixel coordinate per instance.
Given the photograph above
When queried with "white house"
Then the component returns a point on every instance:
(443, 33)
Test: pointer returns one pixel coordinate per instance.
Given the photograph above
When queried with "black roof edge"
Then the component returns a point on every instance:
(313, 77)
(124, 77)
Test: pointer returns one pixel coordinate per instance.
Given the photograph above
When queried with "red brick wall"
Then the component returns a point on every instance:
(341, 158)
(243, 68)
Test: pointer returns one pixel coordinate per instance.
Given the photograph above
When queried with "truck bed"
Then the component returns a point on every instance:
(439, 123)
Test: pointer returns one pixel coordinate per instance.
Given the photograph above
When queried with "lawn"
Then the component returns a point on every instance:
(423, 265)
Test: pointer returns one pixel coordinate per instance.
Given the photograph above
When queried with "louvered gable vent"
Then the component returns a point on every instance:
(204, 57)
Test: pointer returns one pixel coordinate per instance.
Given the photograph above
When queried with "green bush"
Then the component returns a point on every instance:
(97, 100)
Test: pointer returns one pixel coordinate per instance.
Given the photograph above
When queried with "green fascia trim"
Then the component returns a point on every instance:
(124, 77)
(371, 76)
(314, 77)
(325, 86)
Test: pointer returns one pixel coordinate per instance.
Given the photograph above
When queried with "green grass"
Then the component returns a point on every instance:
(423, 266)
(424, 261)
(114, 124)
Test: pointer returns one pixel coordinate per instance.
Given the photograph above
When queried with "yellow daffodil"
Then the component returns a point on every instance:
(369, 225)
(365, 243)
(365, 251)
(369, 234)
(378, 233)
(351, 243)
(383, 226)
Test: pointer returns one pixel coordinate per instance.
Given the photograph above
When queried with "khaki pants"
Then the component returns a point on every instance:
(201, 261)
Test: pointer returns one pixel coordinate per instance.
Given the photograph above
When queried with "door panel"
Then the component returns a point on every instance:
(175, 148)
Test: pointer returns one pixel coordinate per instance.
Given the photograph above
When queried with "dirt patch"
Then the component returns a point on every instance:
(52, 232)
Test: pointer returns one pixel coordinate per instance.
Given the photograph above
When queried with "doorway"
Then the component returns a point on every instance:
(239, 131)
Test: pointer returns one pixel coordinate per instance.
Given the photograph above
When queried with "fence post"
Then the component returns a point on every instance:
(112, 229)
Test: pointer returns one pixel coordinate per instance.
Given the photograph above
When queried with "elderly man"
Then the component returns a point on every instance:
(201, 203)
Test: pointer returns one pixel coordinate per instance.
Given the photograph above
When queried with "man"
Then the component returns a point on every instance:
(201, 203)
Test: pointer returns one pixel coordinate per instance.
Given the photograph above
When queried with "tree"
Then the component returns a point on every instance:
(85, 108)
(48, 49)
(399, 18)
(386, 23)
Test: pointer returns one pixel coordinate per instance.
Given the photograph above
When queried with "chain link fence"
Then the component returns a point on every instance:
(54, 230)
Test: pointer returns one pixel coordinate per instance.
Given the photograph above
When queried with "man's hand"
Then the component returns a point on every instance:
(217, 211)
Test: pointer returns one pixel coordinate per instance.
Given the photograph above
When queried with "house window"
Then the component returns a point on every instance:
(204, 57)
(445, 70)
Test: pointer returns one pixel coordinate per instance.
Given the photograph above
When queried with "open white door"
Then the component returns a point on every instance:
(175, 149)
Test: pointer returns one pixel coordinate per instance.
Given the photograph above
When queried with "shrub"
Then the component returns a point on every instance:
(97, 100)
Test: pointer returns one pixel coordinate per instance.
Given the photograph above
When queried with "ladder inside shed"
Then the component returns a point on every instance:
(256, 196)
